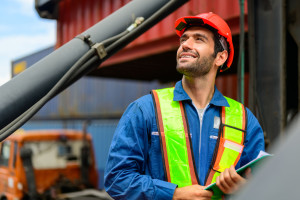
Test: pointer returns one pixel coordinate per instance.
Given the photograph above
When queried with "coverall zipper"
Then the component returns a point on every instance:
(200, 120)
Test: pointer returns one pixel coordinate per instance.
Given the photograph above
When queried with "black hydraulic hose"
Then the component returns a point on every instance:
(118, 41)
(24, 90)
(23, 118)
(85, 69)
(152, 20)
(82, 71)
(108, 41)
(86, 62)
(81, 67)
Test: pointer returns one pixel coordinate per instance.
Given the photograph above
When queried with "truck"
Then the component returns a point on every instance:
(48, 164)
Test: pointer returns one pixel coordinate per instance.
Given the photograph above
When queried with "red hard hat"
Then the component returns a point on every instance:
(212, 20)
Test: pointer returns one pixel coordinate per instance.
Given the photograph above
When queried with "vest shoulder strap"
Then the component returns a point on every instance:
(175, 139)
(176, 144)
(230, 144)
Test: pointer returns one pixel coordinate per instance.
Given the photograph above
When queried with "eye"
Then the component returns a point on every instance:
(200, 39)
(182, 40)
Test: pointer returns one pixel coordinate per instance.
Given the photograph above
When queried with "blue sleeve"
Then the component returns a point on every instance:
(125, 176)
(254, 142)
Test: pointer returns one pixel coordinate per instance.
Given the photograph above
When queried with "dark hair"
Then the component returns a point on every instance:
(218, 47)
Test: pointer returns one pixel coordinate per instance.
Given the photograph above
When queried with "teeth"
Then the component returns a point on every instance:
(186, 56)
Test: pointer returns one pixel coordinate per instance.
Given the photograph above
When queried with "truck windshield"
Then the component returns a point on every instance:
(54, 154)
(5, 153)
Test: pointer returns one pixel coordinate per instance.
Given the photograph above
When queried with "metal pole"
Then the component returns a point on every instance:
(27, 88)
(241, 70)
(267, 54)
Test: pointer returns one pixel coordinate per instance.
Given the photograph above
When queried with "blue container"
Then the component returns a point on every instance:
(19, 65)
(89, 97)
(95, 98)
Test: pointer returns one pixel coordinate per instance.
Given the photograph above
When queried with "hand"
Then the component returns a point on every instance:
(192, 192)
(230, 181)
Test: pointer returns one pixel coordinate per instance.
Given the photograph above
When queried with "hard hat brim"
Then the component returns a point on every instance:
(222, 29)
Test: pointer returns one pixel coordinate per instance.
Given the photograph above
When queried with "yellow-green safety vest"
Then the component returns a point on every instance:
(176, 146)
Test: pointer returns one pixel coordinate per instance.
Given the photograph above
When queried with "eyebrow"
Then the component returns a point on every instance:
(195, 35)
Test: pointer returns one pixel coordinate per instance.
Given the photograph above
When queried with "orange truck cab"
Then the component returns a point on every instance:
(43, 164)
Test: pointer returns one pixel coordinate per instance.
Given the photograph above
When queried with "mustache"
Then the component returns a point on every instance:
(189, 51)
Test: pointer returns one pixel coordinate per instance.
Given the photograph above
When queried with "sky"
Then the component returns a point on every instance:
(22, 32)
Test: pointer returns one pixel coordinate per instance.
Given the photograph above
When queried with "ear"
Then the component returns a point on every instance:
(221, 58)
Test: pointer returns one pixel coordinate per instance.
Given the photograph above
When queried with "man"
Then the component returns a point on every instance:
(170, 144)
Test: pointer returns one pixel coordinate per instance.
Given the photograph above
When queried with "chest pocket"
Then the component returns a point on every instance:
(155, 159)
(213, 137)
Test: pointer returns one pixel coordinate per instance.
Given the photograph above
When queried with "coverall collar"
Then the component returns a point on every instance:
(180, 95)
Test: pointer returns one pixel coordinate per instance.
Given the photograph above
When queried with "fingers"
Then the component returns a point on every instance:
(192, 192)
(248, 173)
(229, 180)
(204, 193)
(236, 178)
(223, 183)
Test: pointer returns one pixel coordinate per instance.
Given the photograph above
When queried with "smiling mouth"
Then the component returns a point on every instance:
(187, 56)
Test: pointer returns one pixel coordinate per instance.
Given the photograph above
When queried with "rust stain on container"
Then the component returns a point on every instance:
(76, 16)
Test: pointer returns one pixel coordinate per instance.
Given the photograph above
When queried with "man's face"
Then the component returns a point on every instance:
(195, 54)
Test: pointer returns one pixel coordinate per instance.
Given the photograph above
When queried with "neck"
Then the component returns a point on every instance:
(200, 89)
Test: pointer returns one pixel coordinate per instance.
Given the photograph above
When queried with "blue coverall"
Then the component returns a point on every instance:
(134, 168)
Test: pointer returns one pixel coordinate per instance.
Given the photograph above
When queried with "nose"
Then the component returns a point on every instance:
(187, 44)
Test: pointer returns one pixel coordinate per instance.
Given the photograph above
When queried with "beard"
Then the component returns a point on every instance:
(199, 67)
